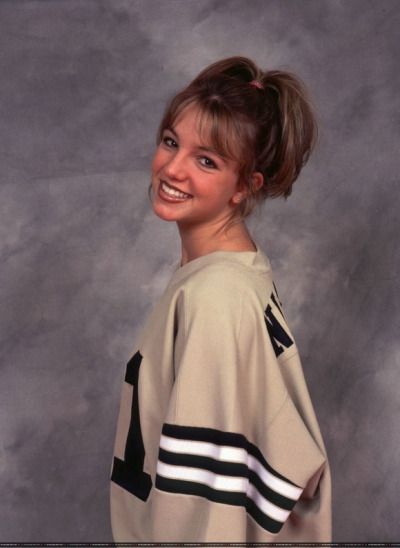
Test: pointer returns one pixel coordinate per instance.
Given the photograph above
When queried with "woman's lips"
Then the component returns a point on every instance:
(174, 187)
(168, 197)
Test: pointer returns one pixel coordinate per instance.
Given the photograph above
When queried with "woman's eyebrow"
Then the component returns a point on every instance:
(199, 147)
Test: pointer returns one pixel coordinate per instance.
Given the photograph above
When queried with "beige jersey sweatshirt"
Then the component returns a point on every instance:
(217, 439)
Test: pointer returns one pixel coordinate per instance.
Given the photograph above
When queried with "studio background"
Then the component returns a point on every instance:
(83, 85)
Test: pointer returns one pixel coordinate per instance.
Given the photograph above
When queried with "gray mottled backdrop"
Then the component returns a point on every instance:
(83, 85)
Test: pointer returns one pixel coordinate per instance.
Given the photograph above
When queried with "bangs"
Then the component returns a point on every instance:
(218, 130)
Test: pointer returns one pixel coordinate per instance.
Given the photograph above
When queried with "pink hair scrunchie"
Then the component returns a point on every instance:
(257, 84)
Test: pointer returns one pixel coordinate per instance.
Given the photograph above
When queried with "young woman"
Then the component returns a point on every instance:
(217, 439)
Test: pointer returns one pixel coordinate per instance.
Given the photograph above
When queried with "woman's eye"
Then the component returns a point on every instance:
(165, 139)
(208, 160)
(169, 142)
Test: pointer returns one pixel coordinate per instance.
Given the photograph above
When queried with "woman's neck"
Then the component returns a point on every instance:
(196, 243)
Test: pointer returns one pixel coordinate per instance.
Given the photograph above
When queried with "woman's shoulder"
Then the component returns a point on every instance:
(220, 274)
(225, 282)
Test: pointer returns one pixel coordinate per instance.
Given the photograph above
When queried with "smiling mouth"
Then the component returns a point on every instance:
(172, 192)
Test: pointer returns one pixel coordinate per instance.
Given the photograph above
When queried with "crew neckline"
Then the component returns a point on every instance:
(219, 251)
(256, 260)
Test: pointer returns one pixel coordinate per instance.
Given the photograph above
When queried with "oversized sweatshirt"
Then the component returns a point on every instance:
(217, 439)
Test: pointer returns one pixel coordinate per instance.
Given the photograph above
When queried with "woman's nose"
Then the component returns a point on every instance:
(176, 167)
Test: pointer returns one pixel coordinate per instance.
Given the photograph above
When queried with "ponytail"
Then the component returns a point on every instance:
(288, 133)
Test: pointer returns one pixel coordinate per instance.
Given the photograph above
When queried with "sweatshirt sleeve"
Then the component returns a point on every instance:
(235, 454)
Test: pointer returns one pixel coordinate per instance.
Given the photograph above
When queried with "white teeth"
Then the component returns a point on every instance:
(173, 192)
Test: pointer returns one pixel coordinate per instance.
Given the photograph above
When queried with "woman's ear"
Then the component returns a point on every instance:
(257, 181)
(240, 194)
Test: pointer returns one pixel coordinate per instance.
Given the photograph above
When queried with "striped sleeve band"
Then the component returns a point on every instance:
(224, 467)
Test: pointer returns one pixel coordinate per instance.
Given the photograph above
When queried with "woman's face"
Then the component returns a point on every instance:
(208, 180)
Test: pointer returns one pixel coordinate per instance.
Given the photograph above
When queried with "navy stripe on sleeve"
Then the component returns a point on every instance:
(224, 467)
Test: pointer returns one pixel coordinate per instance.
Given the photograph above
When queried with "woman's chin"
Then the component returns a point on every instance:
(163, 213)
